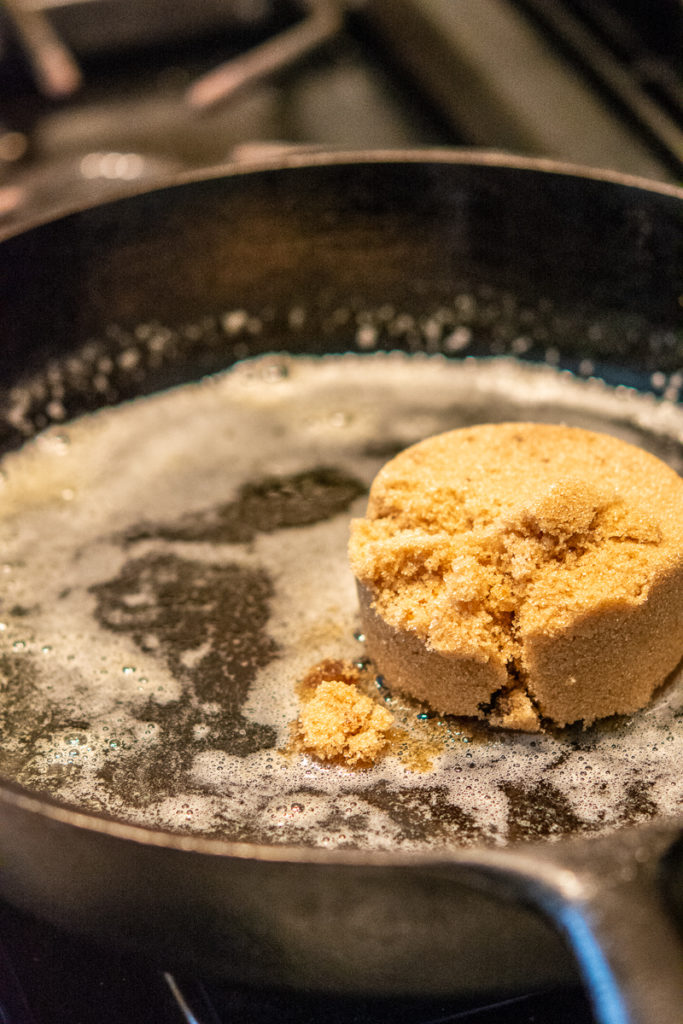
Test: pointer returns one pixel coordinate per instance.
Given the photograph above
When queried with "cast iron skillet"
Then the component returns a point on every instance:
(580, 266)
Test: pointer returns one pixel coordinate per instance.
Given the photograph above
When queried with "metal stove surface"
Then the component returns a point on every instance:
(134, 122)
(593, 83)
(48, 977)
(576, 81)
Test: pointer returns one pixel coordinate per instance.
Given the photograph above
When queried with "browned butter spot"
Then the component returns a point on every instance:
(262, 506)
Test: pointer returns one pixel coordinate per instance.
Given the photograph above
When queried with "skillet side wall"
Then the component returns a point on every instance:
(341, 928)
(588, 254)
(589, 268)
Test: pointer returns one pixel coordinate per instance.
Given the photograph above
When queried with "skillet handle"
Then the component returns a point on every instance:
(604, 897)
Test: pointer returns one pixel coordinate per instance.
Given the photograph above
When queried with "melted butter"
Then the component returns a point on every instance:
(172, 567)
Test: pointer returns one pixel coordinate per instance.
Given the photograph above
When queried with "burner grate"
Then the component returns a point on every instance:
(206, 1004)
(49, 977)
(632, 56)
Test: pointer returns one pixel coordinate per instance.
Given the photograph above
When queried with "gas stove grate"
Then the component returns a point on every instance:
(49, 977)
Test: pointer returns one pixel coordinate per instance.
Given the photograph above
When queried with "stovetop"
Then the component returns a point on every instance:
(143, 89)
(150, 90)
(49, 977)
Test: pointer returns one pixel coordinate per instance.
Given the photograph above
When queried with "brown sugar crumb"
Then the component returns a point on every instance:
(523, 571)
(414, 737)
(328, 669)
(340, 723)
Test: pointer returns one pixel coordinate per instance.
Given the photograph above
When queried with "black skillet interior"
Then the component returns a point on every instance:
(587, 267)
(425, 256)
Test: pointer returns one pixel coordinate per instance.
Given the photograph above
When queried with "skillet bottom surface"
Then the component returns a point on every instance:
(173, 567)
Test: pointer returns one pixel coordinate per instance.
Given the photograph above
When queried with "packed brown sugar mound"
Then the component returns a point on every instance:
(521, 571)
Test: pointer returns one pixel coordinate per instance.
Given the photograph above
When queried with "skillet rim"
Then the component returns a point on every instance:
(478, 855)
(311, 158)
